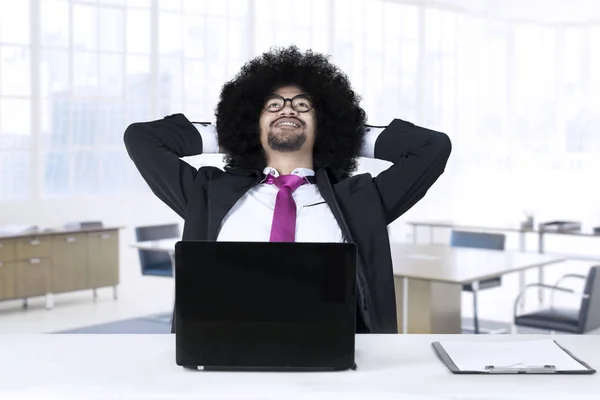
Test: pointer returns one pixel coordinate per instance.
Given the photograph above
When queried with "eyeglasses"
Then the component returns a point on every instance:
(300, 103)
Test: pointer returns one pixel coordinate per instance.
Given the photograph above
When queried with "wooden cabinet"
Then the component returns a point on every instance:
(103, 261)
(59, 261)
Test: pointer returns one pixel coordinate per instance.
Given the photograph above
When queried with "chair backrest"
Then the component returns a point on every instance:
(151, 259)
(589, 312)
(479, 240)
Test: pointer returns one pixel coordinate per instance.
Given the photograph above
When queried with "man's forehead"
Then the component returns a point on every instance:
(288, 90)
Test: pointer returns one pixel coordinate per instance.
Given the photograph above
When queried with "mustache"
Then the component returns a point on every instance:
(295, 119)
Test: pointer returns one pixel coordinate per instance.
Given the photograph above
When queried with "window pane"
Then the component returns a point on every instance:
(14, 174)
(138, 88)
(320, 14)
(14, 22)
(111, 25)
(85, 67)
(111, 75)
(55, 72)
(194, 80)
(15, 120)
(169, 33)
(170, 86)
(111, 123)
(239, 8)
(113, 168)
(139, 3)
(85, 172)
(85, 122)
(85, 27)
(138, 31)
(55, 122)
(15, 67)
(216, 32)
(54, 23)
(56, 173)
(236, 40)
(174, 5)
(193, 34)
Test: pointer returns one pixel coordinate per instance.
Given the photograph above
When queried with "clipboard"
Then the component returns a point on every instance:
(510, 368)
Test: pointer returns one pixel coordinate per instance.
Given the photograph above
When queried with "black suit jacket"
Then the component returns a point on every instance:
(363, 205)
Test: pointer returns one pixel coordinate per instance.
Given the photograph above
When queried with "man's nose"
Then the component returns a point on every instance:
(287, 109)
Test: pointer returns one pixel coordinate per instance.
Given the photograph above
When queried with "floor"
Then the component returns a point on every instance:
(146, 297)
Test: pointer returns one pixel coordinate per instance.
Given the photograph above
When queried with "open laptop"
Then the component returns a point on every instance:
(265, 306)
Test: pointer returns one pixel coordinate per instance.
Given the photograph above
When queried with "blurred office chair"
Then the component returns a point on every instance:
(479, 240)
(562, 319)
(155, 262)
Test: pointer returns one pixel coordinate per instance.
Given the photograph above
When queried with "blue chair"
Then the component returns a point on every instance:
(561, 319)
(479, 240)
(156, 263)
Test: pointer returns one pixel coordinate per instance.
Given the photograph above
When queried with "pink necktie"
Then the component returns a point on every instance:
(283, 228)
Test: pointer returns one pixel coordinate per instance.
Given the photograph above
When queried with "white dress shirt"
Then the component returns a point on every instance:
(249, 220)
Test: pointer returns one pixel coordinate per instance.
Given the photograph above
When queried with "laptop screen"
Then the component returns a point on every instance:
(264, 296)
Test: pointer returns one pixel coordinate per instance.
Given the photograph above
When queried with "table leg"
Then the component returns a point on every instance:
(522, 248)
(404, 305)
(541, 268)
(475, 286)
(49, 301)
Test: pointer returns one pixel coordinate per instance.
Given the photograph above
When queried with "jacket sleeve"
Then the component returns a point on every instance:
(155, 148)
(419, 157)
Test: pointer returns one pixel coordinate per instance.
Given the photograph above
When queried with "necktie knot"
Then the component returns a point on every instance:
(292, 182)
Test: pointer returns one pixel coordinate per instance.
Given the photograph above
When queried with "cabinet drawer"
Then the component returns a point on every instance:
(33, 247)
(69, 258)
(33, 277)
(7, 280)
(7, 250)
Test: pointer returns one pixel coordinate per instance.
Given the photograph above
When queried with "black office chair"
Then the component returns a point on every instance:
(561, 319)
(154, 262)
(479, 240)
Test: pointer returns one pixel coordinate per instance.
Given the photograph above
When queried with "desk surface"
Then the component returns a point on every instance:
(64, 366)
(462, 265)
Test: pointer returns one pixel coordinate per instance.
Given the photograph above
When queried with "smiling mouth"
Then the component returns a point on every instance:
(287, 123)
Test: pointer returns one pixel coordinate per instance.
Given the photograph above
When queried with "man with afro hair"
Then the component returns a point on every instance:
(289, 124)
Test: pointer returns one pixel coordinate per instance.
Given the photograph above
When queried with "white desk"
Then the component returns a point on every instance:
(399, 367)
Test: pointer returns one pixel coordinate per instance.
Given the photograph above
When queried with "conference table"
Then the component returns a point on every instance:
(429, 278)
(523, 231)
(398, 367)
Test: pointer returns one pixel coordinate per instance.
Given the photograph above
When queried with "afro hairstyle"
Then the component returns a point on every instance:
(340, 121)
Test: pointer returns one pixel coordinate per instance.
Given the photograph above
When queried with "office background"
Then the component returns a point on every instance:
(511, 82)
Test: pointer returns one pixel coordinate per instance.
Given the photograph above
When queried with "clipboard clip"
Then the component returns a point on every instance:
(520, 369)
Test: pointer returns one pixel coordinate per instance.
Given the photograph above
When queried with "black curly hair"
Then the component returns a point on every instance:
(340, 120)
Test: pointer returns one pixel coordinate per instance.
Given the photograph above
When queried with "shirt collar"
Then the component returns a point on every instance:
(297, 171)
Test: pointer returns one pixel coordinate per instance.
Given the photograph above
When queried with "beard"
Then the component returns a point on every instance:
(286, 140)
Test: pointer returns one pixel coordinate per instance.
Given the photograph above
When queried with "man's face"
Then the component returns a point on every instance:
(283, 128)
